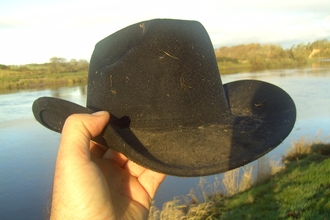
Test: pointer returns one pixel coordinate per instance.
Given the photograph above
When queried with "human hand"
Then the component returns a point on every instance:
(94, 182)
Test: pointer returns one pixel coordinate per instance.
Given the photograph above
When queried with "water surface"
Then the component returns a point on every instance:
(28, 150)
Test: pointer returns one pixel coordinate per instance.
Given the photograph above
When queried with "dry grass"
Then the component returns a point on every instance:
(299, 149)
(170, 210)
(234, 183)
(266, 169)
(303, 147)
(200, 202)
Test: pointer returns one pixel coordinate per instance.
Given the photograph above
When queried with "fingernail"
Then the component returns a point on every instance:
(99, 113)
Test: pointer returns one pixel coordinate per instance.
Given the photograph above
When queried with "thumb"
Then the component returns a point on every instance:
(77, 133)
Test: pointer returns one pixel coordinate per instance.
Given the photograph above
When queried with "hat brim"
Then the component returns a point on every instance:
(262, 117)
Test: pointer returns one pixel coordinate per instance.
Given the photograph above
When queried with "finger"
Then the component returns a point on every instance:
(134, 169)
(97, 150)
(108, 154)
(77, 133)
(151, 181)
(115, 156)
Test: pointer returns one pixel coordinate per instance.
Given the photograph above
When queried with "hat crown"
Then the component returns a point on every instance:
(158, 73)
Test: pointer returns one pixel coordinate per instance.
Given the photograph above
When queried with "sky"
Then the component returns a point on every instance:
(33, 31)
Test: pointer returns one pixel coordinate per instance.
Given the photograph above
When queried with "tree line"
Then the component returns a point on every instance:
(272, 56)
(61, 65)
(54, 66)
(254, 55)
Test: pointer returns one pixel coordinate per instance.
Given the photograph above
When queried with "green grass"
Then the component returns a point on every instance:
(230, 67)
(10, 79)
(299, 189)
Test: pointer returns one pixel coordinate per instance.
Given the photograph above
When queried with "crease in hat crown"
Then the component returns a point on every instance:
(170, 112)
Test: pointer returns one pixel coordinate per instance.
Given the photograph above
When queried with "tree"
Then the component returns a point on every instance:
(4, 67)
(83, 65)
(57, 63)
(73, 65)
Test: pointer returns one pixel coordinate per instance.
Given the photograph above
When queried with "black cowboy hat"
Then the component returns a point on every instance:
(160, 82)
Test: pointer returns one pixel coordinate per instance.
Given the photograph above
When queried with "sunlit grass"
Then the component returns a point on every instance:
(298, 188)
(21, 80)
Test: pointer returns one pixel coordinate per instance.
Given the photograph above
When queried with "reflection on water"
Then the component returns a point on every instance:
(63, 92)
(18, 105)
(28, 150)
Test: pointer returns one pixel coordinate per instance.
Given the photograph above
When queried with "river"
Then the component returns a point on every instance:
(28, 150)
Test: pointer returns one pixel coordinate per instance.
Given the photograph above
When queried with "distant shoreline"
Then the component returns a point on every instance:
(11, 80)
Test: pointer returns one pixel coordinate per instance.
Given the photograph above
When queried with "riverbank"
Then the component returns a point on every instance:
(13, 80)
(226, 67)
(300, 188)
(41, 75)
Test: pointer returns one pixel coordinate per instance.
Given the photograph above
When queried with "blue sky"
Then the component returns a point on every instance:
(33, 31)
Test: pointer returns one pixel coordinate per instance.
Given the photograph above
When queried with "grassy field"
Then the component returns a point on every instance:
(11, 79)
(34, 75)
(40, 75)
(229, 67)
(298, 187)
